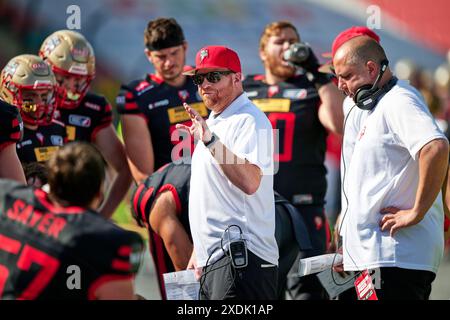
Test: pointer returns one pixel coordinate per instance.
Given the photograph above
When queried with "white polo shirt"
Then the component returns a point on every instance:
(380, 153)
(215, 203)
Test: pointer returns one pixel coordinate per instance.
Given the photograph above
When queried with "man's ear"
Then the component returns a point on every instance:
(98, 199)
(262, 55)
(148, 53)
(185, 46)
(373, 69)
(238, 77)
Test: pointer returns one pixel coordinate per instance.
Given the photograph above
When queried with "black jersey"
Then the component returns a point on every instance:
(38, 145)
(42, 246)
(173, 177)
(161, 105)
(11, 125)
(292, 108)
(85, 121)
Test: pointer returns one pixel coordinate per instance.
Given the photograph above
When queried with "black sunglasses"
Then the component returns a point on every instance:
(213, 77)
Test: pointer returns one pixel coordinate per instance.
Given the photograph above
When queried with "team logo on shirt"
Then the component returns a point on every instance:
(80, 121)
(40, 137)
(56, 140)
(57, 114)
(361, 133)
(272, 90)
(183, 94)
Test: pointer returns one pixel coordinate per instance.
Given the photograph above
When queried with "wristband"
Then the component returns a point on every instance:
(212, 141)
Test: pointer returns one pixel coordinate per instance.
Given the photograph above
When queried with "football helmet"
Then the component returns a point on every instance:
(71, 57)
(24, 74)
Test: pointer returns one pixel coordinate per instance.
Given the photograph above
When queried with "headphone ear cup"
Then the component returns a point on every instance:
(362, 94)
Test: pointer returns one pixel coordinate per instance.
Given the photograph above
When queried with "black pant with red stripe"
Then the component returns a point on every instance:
(309, 287)
(161, 259)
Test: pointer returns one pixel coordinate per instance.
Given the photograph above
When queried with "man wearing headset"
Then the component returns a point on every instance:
(393, 167)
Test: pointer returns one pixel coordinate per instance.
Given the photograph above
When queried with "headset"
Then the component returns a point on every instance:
(367, 96)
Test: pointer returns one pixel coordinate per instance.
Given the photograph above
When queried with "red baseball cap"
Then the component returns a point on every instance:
(342, 38)
(212, 57)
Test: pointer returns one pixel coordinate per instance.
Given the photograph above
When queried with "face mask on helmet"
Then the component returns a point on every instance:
(71, 88)
(73, 62)
(37, 105)
(28, 83)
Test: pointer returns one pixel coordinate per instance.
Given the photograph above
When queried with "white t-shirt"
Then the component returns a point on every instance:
(215, 203)
(380, 169)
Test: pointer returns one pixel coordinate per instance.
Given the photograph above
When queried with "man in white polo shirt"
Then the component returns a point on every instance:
(394, 164)
(231, 198)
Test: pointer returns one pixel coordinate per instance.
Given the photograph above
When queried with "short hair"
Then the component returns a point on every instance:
(273, 29)
(35, 170)
(368, 50)
(76, 173)
(163, 33)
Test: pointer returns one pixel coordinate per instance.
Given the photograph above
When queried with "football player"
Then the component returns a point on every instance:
(152, 106)
(55, 245)
(28, 83)
(11, 131)
(87, 116)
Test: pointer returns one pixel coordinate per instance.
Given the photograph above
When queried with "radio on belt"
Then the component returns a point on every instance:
(238, 253)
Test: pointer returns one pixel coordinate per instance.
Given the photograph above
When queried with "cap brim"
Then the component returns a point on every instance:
(327, 67)
(192, 72)
(189, 72)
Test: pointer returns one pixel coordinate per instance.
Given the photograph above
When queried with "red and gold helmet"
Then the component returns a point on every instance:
(24, 75)
(71, 57)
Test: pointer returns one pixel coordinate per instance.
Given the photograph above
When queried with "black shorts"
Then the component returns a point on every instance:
(257, 281)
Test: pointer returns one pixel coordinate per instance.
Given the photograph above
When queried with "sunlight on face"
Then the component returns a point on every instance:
(169, 62)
